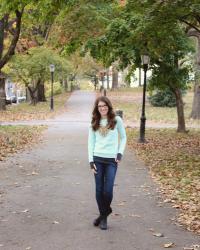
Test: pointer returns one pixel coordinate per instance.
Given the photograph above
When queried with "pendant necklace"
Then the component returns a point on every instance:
(103, 130)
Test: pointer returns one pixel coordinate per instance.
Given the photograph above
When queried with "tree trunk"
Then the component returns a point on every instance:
(65, 82)
(107, 78)
(16, 32)
(2, 93)
(33, 94)
(6, 55)
(2, 78)
(114, 78)
(27, 95)
(41, 92)
(180, 111)
(2, 27)
(195, 114)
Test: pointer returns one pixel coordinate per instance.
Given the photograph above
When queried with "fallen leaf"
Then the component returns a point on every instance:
(168, 245)
(25, 211)
(121, 204)
(35, 173)
(194, 247)
(56, 222)
(176, 206)
(158, 234)
(135, 215)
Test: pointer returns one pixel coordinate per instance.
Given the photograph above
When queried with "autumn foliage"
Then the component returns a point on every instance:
(11, 142)
(173, 160)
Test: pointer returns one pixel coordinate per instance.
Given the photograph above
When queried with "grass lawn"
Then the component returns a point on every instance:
(130, 101)
(25, 111)
(11, 142)
(174, 161)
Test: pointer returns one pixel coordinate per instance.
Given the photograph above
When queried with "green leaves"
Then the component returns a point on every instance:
(35, 65)
(80, 21)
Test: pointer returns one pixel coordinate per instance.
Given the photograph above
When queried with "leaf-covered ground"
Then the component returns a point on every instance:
(25, 111)
(130, 101)
(174, 161)
(15, 138)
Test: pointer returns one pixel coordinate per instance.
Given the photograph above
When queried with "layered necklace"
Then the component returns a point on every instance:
(103, 130)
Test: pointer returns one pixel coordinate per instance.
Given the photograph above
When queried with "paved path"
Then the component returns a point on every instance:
(47, 199)
(71, 118)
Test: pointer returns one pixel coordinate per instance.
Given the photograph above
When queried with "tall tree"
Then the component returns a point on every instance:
(80, 21)
(140, 28)
(10, 27)
(187, 14)
(32, 69)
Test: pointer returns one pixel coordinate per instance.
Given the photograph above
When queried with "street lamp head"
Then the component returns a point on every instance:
(145, 59)
(52, 68)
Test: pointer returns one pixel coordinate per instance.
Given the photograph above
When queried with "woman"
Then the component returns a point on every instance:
(105, 152)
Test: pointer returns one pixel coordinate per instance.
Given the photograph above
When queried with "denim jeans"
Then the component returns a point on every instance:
(104, 180)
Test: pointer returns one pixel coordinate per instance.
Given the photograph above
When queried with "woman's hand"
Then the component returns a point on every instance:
(93, 167)
(119, 157)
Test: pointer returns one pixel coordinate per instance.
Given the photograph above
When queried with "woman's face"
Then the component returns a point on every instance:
(103, 109)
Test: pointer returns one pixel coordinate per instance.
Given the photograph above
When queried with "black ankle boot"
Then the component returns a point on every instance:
(97, 221)
(103, 223)
(109, 211)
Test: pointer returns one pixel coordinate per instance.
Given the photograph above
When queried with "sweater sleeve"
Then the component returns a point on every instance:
(91, 144)
(122, 135)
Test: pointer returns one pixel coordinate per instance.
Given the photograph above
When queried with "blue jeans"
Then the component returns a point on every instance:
(104, 180)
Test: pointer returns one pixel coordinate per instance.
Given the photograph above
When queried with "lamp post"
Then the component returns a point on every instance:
(52, 69)
(145, 62)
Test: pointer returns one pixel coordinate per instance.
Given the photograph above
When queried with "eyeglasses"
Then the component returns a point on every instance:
(102, 106)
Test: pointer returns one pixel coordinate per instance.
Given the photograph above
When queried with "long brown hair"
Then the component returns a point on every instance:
(96, 116)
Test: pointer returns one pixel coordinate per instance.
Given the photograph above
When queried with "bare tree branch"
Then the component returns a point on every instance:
(193, 32)
(2, 25)
(15, 39)
(190, 24)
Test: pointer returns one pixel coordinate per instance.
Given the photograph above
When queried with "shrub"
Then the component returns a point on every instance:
(163, 98)
(57, 89)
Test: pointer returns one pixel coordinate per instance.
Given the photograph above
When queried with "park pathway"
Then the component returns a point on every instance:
(47, 199)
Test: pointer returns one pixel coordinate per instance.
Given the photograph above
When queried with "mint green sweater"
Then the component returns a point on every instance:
(107, 146)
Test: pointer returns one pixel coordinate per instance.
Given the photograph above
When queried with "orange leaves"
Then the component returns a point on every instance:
(174, 161)
(27, 112)
(168, 245)
(14, 138)
(122, 2)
